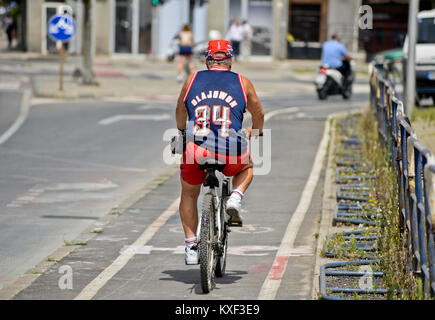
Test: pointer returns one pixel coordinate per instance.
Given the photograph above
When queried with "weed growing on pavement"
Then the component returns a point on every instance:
(68, 243)
(392, 248)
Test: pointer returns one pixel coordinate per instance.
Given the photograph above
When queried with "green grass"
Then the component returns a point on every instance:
(305, 71)
(392, 244)
(423, 114)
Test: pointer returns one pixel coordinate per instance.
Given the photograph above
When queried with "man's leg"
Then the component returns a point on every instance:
(189, 208)
(243, 179)
(191, 65)
(189, 219)
(345, 71)
(241, 182)
(180, 68)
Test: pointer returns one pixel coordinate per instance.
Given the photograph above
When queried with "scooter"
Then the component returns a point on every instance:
(330, 82)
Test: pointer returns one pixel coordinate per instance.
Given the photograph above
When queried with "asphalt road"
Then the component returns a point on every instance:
(63, 170)
(10, 102)
(72, 163)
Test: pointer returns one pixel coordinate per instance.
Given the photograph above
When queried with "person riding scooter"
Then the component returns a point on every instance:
(335, 56)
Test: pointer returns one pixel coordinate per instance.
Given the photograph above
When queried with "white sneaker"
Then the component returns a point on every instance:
(233, 208)
(180, 78)
(191, 255)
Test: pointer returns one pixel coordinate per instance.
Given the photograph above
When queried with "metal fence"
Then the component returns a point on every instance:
(415, 167)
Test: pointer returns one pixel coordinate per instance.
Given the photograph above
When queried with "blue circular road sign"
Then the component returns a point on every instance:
(61, 27)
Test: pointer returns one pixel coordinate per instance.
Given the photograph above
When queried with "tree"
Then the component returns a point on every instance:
(87, 63)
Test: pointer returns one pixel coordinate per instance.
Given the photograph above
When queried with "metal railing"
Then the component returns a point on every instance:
(415, 167)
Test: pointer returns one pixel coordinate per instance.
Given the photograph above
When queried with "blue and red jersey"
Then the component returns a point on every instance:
(215, 102)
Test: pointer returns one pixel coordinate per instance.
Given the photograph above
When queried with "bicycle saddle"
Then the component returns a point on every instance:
(211, 165)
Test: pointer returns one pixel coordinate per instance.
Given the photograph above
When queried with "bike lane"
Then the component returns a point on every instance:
(157, 269)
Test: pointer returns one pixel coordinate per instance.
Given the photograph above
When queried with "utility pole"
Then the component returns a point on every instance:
(410, 64)
(87, 76)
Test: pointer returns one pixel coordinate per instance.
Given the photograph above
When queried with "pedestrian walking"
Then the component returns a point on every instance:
(246, 43)
(235, 36)
(186, 51)
(9, 29)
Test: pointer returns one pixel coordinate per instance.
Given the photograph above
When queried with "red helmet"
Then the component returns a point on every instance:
(216, 46)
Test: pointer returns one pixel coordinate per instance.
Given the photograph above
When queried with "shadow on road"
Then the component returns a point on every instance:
(192, 276)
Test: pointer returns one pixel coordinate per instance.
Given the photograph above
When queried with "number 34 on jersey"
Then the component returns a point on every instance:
(220, 116)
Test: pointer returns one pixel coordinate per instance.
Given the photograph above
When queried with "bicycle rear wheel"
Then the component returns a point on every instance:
(222, 254)
(222, 259)
(207, 244)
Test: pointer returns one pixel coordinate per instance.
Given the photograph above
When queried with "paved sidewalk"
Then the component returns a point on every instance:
(143, 78)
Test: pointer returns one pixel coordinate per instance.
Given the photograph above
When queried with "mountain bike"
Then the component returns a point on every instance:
(213, 228)
(214, 225)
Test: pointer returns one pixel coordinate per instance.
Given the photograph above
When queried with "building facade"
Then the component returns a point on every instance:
(289, 28)
(281, 29)
(120, 27)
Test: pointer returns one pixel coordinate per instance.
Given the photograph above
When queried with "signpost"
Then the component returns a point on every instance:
(61, 28)
(410, 64)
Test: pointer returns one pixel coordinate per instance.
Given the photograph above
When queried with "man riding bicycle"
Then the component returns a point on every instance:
(209, 113)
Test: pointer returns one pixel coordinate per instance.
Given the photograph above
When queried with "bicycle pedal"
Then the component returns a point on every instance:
(237, 224)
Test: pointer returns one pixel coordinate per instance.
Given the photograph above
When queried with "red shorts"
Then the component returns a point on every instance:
(194, 154)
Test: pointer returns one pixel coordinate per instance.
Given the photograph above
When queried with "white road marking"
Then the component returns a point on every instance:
(271, 114)
(64, 192)
(273, 280)
(248, 228)
(255, 251)
(252, 228)
(95, 285)
(10, 85)
(153, 105)
(120, 117)
(24, 112)
(73, 162)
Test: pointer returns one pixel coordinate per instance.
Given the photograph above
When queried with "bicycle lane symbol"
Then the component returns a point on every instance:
(248, 228)
(253, 250)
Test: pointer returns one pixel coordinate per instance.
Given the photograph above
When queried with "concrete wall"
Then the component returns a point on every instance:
(200, 23)
(171, 17)
(279, 31)
(342, 18)
(217, 16)
(103, 26)
(33, 28)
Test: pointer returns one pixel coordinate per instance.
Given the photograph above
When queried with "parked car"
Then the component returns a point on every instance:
(424, 55)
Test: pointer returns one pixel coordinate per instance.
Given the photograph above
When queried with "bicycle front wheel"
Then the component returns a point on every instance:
(207, 244)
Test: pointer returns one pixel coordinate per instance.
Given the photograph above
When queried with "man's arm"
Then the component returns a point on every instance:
(181, 111)
(345, 54)
(254, 106)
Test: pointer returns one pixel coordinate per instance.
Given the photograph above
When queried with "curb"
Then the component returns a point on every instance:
(328, 199)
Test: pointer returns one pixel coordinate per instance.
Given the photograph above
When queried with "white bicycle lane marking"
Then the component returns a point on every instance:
(95, 285)
(273, 280)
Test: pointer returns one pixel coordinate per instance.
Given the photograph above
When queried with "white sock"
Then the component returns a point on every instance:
(190, 241)
(236, 194)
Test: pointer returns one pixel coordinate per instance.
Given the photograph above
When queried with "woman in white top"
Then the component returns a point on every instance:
(186, 45)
